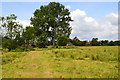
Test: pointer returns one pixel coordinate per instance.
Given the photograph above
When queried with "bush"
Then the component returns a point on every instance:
(21, 49)
(41, 44)
(29, 48)
(62, 41)
(9, 44)
(5, 50)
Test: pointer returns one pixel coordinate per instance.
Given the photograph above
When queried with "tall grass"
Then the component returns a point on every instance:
(69, 62)
(94, 53)
(10, 56)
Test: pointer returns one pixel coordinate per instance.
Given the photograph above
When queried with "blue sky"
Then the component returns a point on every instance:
(91, 19)
(24, 10)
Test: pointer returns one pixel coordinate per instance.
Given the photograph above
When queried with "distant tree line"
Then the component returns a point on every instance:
(49, 27)
(94, 42)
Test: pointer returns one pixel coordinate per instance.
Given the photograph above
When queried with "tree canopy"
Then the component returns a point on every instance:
(11, 25)
(53, 20)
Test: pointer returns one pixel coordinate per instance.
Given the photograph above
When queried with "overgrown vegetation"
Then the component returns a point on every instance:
(11, 56)
(72, 62)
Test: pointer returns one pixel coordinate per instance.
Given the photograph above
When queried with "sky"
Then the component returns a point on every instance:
(91, 19)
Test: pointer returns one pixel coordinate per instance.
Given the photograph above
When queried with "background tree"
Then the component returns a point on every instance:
(6, 43)
(20, 40)
(52, 19)
(83, 43)
(11, 26)
(116, 43)
(95, 42)
(104, 42)
(29, 35)
(62, 41)
(42, 40)
(12, 29)
(76, 41)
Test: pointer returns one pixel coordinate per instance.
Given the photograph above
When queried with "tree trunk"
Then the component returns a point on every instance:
(53, 42)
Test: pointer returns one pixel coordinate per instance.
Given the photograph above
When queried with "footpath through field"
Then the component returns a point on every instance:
(83, 62)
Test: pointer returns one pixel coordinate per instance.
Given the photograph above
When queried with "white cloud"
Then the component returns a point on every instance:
(86, 27)
(112, 18)
(24, 23)
(77, 13)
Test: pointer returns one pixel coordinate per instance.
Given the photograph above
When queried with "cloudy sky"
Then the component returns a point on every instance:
(91, 19)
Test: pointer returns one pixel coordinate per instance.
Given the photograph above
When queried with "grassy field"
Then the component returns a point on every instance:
(70, 62)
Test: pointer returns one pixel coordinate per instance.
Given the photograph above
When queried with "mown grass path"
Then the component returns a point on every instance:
(64, 63)
(31, 65)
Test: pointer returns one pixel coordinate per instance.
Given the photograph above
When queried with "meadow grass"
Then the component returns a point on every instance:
(62, 62)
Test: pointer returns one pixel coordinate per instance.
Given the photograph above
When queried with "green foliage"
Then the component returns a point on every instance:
(12, 26)
(22, 49)
(41, 44)
(76, 41)
(52, 19)
(104, 42)
(6, 43)
(62, 41)
(29, 35)
(30, 48)
(95, 42)
(114, 43)
(13, 29)
(9, 44)
(30, 32)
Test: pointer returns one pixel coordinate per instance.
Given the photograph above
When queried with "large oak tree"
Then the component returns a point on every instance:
(52, 20)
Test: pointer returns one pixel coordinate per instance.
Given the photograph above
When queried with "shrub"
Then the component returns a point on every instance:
(5, 50)
(41, 44)
(9, 44)
(62, 41)
(21, 49)
(29, 48)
